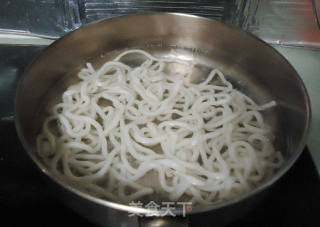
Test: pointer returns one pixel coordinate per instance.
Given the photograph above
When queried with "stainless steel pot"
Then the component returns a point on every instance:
(253, 66)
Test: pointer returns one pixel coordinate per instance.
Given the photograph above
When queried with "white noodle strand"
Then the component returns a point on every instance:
(121, 124)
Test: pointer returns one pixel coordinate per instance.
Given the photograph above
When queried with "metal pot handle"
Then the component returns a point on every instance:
(163, 221)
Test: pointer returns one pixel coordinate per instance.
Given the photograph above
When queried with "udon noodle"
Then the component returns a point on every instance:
(119, 124)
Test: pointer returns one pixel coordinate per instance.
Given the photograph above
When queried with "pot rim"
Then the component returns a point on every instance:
(196, 209)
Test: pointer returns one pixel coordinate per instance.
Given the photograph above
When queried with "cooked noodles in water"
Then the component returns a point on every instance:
(202, 141)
